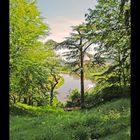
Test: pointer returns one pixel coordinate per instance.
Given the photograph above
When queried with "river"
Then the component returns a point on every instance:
(70, 83)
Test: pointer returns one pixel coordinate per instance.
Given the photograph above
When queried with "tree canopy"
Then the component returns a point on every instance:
(31, 61)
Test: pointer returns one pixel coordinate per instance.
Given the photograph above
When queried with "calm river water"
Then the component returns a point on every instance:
(71, 82)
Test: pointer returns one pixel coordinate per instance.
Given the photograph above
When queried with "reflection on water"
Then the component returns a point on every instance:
(71, 82)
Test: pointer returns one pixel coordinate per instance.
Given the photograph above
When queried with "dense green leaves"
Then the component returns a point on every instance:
(31, 61)
(112, 35)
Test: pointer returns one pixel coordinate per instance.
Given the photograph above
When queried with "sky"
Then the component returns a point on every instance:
(60, 15)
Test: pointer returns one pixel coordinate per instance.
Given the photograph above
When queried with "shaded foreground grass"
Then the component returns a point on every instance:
(110, 121)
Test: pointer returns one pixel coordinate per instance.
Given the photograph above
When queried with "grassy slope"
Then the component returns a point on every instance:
(110, 121)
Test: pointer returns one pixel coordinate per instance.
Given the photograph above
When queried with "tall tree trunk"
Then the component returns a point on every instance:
(25, 100)
(29, 101)
(124, 76)
(82, 90)
(53, 87)
(14, 99)
(120, 69)
(19, 98)
(51, 97)
(82, 81)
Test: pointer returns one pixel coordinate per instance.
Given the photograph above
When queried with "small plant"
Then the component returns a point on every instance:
(74, 98)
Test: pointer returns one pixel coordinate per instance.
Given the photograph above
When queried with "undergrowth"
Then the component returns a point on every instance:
(110, 121)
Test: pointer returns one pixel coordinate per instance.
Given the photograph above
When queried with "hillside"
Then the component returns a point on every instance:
(110, 121)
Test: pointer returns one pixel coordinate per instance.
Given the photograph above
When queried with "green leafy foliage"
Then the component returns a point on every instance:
(74, 98)
(107, 25)
(33, 65)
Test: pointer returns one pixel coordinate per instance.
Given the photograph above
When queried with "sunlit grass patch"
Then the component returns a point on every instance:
(110, 121)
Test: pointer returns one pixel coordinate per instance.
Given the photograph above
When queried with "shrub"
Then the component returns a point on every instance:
(106, 94)
(74, 98)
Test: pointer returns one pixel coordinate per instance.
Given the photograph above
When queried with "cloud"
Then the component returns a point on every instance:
(61, 27)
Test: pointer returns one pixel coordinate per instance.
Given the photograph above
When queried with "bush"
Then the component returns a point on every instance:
(98, 95)
(74, 98)
(107, 94)
(17, 110)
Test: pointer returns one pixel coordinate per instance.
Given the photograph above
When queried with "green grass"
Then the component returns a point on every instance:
(110, 121)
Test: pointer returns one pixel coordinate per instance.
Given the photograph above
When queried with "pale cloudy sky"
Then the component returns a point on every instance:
(60, 15)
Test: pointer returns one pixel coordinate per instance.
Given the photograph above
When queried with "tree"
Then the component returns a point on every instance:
(54, 79)
(27, 54)
(51, 43)
(110, 25)
(25, 27)
(77, 45)
(31, 76)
